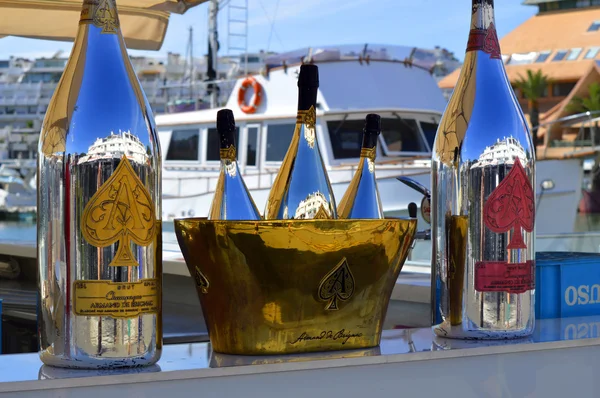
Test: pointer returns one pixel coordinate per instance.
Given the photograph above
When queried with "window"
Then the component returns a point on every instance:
(346, 137)
(594, 27)
(574, 54)
(183, 145)
(430, 130)
(544, 55)
(560, 55)
(522, 59)
(213, 144)
(279, 137)
(402, 135)
(252, 148)
(562, 89)
(591, 53)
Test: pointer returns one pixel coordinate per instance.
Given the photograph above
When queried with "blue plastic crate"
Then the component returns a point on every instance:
(567, 284)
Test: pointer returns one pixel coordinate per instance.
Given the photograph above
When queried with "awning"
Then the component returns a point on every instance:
(143, 22)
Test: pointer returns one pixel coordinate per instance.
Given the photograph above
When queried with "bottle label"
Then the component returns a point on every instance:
(501, 276)
(368, 153)
(309, 117)
(485, 40)
(120, 211)
(116, 299)
(101, 13)
(228, 153)
(511, 206)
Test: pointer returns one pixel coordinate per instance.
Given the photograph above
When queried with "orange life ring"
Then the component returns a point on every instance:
(256, 99)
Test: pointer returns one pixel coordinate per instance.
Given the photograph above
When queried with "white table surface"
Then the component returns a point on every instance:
(562, 356)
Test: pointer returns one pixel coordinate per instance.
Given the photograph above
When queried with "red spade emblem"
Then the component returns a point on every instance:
(491, 44)
(511, 206)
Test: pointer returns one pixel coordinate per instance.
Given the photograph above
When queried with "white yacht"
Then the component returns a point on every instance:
(399, 88)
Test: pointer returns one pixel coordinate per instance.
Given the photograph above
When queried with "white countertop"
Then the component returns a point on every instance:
(420, 360)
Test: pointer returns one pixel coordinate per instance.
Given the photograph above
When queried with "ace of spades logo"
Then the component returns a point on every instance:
(105, 17)
(511, 206)
(338, 284)
(120, 211)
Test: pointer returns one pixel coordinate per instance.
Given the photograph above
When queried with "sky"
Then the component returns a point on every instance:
(285, 25)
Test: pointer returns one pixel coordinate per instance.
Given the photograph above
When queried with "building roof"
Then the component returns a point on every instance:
(553, 31)
(549, 32)
(535, 2)
(555, 71)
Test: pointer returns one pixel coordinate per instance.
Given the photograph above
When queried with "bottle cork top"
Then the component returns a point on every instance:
(309, 76)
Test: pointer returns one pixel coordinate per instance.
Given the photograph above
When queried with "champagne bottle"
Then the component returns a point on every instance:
(483, 200)
(232, 201)
(99, 208)
(301, 189)
(362, 199)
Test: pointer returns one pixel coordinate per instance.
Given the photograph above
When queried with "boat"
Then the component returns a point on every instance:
(399, 88)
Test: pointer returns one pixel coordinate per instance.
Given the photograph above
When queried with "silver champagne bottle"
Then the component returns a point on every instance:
(301, 189)
(232, 201)
(99, 208)
(483, 200)
(361, 199)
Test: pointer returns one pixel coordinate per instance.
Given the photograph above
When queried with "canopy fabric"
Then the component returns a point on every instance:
(143, 22)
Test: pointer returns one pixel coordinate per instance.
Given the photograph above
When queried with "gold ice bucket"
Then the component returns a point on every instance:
(280, 287)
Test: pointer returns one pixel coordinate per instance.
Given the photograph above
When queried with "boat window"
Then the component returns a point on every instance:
(213, 145)
(279, 137)
(252, 147)
(346, 137)
(402, 135)
(183, 145)
(429, 129)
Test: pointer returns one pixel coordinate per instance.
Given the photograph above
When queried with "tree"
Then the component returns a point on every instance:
(590, 103)
(533, 88)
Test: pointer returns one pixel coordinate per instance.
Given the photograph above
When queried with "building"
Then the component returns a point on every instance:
(172, 83)
(26, 87)
(115, 146)
(563, 41)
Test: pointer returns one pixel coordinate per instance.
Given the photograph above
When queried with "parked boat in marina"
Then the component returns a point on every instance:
(403, 92)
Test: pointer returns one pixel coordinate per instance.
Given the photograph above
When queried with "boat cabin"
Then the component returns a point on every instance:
(406, 97)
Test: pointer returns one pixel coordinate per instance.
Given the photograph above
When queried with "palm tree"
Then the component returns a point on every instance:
(590, 103)
(533, 88)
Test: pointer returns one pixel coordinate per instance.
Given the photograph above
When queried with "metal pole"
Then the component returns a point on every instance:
(213, 11)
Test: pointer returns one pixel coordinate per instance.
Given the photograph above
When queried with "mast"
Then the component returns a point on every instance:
(213, 48)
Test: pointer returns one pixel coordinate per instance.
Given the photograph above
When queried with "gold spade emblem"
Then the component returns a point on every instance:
(338, 284)
(201, 281)
(120, 211)
(321, 214)
(106, 16)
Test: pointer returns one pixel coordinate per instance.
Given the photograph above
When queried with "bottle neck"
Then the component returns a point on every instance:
(483, 36)
(102, 14)
(369, 140)
(482, 14)
(228, 154)
(307, 98)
